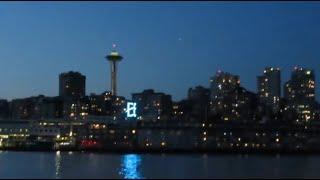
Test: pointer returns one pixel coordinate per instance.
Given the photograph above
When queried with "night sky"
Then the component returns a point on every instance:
(167, 46)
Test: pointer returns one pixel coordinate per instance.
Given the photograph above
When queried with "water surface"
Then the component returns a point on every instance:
(128, 166)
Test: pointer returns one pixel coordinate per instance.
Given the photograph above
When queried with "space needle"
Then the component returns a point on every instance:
(114, 57)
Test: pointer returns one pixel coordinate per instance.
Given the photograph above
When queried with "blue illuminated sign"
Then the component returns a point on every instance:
(131, 109)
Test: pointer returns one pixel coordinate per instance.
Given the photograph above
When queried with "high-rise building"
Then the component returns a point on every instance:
(198, 98)
(152, 106)
(223, 83)
(4, 109)
(72, 85)
(300, 93)
(199, 93)
(229, 101)
(269, 87)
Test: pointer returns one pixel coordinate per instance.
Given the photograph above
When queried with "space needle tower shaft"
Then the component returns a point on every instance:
(114, 58)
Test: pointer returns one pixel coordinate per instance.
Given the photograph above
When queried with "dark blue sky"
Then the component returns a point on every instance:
(168, 46)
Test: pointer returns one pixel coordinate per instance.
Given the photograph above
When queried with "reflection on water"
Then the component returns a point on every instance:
(75, 165)
(130, 167)
(58, 164)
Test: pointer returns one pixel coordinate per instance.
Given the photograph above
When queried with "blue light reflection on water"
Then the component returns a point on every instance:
(130, 166)
(58, 165)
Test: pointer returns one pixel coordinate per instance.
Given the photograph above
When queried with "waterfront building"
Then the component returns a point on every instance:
(4, 109)
(13, 133)
(152, 106)
(269, 88)
(199, 98)
(199, 94)
(229, 101)
(39, 107)
(181, 111)
(300, 93)
(106, 104)
(223, 83)
(56, 133)
(173, 138)
(51, 108)
(76, 109)
(72, 85)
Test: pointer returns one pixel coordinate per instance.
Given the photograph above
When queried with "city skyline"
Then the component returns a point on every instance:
(275, 34)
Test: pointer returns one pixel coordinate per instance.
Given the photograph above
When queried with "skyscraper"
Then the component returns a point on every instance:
(229, 101)
(223, 83)
(72, 85)
(300, 93)
(269, 87)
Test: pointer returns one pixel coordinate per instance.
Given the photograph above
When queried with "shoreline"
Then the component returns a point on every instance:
(176, 152)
